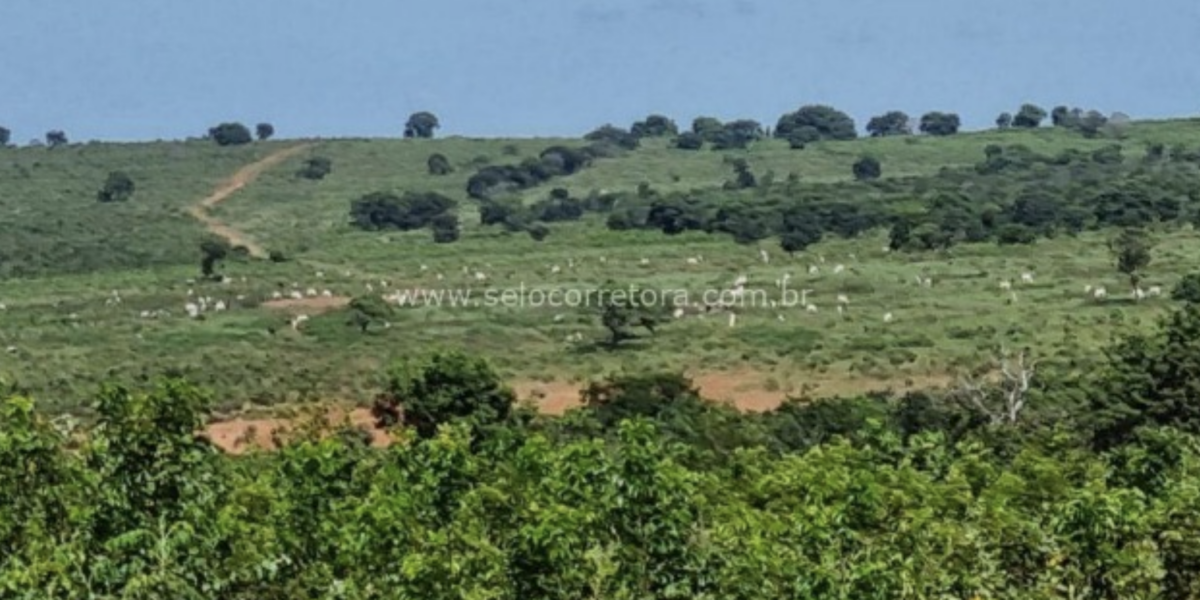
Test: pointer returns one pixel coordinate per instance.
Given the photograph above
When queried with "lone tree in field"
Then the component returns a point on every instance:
(939, 123)
(365, 310)
(1131, 252)
(421, 125)
(212, 251)
(438, 164)
(621, 310)
(264, 131)
(890, 123)
(867, 168)
(230, 134)
(5, 136)
(1029, 117)
(117, 188)
(56, 138)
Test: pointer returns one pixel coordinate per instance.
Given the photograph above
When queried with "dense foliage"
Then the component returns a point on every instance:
(385, 210)
(647, 491)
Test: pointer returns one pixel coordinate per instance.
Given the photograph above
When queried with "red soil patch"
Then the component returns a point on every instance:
(308, 306)
(744, 389)
(240, 435)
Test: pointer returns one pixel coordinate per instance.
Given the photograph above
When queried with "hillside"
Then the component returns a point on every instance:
(63, 255)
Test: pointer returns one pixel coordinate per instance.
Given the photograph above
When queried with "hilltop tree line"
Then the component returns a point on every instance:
(1012, 196)
(1083, 487)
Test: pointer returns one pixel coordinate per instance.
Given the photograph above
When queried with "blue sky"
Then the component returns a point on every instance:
(148, 69)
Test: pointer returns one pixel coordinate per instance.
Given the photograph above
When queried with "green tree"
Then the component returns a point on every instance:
(939, 123)
(1004, 121)
(654, 126)
(438, 164)
(264, 131)
(538, 232)
(213, 251)
(867, 168)
(445, 228)
(689, 141)
(118, 187)
(56, 138)
(1132, 252)
(421, 125)
(316, 168)
(230, 134)
(800, 238)
(622, 309)
(743, 176)
(832, 124)
(385, 210)
(801, 137)
(365, 310)
(890, 123)
(707, 128)
(5, 136)
(448, 387)
(1188, 289)
(1030, 116)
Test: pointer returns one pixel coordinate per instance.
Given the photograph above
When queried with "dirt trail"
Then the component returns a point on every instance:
(742, 389)
(240, 179)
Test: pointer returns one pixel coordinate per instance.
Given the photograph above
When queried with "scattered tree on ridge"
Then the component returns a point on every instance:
(830, 123)
(264, 131)
(1029, 117)
(56, 138)
(230, 134)
(5, 136)
(888, 124)
(421, 125)
(939, 123)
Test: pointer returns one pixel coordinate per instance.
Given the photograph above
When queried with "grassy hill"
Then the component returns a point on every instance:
(63, 254)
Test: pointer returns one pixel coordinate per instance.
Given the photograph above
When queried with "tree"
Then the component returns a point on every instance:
(867, 168)
(316, 168)
(1131, 251)
(449, 387)
(230, 134)
(737, 134)
(939, 123)
(1004, 121)
(622, 309)
(213, 251)
(801, 137)
(1003, 404)
(421, 125)
(707, 128)
(1060, 116)
(365, 310)
(890, 123)
(5, 136)
(264, 131)
(1029, 117)
(609, 134)
(56, 138)
(445, 228)
(438, 164)
(800, 238)
(743, 176)
(385, 210)
(830, 123)
(538, 232)
(117, 188)
(1188, 289)
(654, 126)
(689, 141)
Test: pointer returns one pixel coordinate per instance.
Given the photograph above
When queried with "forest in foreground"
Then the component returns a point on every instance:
(1036, 485)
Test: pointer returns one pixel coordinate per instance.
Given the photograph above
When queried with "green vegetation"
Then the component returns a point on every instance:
(646, 491)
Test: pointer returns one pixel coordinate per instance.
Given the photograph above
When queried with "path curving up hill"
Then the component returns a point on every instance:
(227, 188)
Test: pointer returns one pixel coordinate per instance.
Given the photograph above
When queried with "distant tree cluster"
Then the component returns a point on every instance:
(1091, 123)
(735, 134)
(559, 206)
(556, 161)
(888, 124)
(940, 123)
(385, 210)
(654, 126)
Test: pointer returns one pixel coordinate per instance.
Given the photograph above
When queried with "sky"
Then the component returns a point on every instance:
(125, 70)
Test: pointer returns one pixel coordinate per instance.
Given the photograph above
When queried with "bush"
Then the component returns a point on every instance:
(445, 228)
(538, 232)
(315, 168)
(867, 168)
(385, 210)
(438, 164)
(264, 131)
(117, 188)
(689, 141)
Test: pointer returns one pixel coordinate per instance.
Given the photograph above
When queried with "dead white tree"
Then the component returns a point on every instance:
(1003, 402)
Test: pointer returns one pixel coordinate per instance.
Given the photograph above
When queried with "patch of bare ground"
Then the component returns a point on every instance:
(241, 435)
(308, 306)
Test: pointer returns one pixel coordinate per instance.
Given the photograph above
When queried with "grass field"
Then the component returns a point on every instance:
(63, 254)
